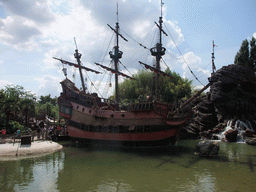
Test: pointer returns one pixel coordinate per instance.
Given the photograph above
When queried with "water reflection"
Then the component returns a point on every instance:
(80, 169)
(34, 174)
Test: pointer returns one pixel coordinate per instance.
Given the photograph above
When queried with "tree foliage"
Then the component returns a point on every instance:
(170, 89)
(47, 105)
(17, 105)
(247, 54)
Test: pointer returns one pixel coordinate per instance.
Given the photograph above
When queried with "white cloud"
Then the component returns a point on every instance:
(35, 10)
(49, 85)
(191, 60)
(141, 28)
(23, 22)
(51, 33)
(204, 71)
(4, 83)
(17, 32)
(49, 43)
(175, 33)
(254, 35)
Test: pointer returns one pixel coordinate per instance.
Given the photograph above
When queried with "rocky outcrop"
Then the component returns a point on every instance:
(232, 96)
(233, 92)
(207, 149)
(204, 119)
(231, 135)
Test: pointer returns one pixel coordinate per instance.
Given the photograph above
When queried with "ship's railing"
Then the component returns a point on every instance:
(172, 112)
(141, 106)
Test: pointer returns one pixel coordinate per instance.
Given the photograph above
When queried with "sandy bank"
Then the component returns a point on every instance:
(12, 151)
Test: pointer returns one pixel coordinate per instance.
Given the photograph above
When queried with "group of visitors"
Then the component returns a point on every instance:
(45, 132)
(41, 131)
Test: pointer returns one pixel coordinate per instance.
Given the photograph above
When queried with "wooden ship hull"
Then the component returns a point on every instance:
(96, 121)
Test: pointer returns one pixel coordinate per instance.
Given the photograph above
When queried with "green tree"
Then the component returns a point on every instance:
(12, 102)
(48, 106)
(247, 55)
(253, 53)
(16, 104)
(170, 90)
(47, 99)
(2, 112)
(28, 108)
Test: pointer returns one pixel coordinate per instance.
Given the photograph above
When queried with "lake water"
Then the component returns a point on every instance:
(81, 169)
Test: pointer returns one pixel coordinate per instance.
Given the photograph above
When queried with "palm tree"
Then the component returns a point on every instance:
(28, 108)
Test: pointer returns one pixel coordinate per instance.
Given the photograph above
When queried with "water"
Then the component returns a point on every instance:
(80, 169)
(240, 126)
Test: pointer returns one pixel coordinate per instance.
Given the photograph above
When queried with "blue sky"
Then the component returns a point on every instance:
(34, 31)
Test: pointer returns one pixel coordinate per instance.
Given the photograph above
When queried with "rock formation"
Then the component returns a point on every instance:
(207, 149)
(232, 96)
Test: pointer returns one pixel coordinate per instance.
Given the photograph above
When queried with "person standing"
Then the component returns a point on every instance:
(18, 135)
(3, 131)
(38, 132)
(44, 133)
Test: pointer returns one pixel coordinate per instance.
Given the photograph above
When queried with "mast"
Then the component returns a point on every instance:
(158, 51)
(116, 54)
(78, 57)
(213, 65)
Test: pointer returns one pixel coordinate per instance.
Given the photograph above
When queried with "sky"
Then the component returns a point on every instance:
(32, 32)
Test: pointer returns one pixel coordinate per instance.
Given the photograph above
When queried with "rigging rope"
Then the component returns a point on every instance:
(140, 44)
(183, 57)
(104, 71)
(203, 68)
(93, 83)
(125, 67)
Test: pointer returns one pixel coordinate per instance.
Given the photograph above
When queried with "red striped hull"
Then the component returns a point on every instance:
(153, 136)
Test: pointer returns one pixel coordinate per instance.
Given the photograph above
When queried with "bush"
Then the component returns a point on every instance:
(14, 126)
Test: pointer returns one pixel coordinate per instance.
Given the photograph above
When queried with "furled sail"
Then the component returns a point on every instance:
(76, 65)
(114, 71)
(155, 70)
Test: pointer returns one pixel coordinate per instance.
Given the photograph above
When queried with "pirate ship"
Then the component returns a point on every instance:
(96, 120)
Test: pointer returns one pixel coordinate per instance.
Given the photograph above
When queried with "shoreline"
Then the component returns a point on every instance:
(15, 151)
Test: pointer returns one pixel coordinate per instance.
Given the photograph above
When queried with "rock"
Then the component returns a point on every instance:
(207, 149)
(231, 135)
(250, 140)
(233, 91)
(232, 96)
(248, 133)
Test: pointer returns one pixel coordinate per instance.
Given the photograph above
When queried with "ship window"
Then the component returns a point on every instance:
(121, 129)
(99, 129)
(139, 129)
(132, 129)
(126, 129)
(110, 128)
(66, 110)
(115, 129)
(90, 127)
(83, 109)
(146, 128)
(86, 127)
(77, 107)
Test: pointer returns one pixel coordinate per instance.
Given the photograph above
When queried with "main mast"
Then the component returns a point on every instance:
(116, 54)
(78, 57)
(158, 51)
